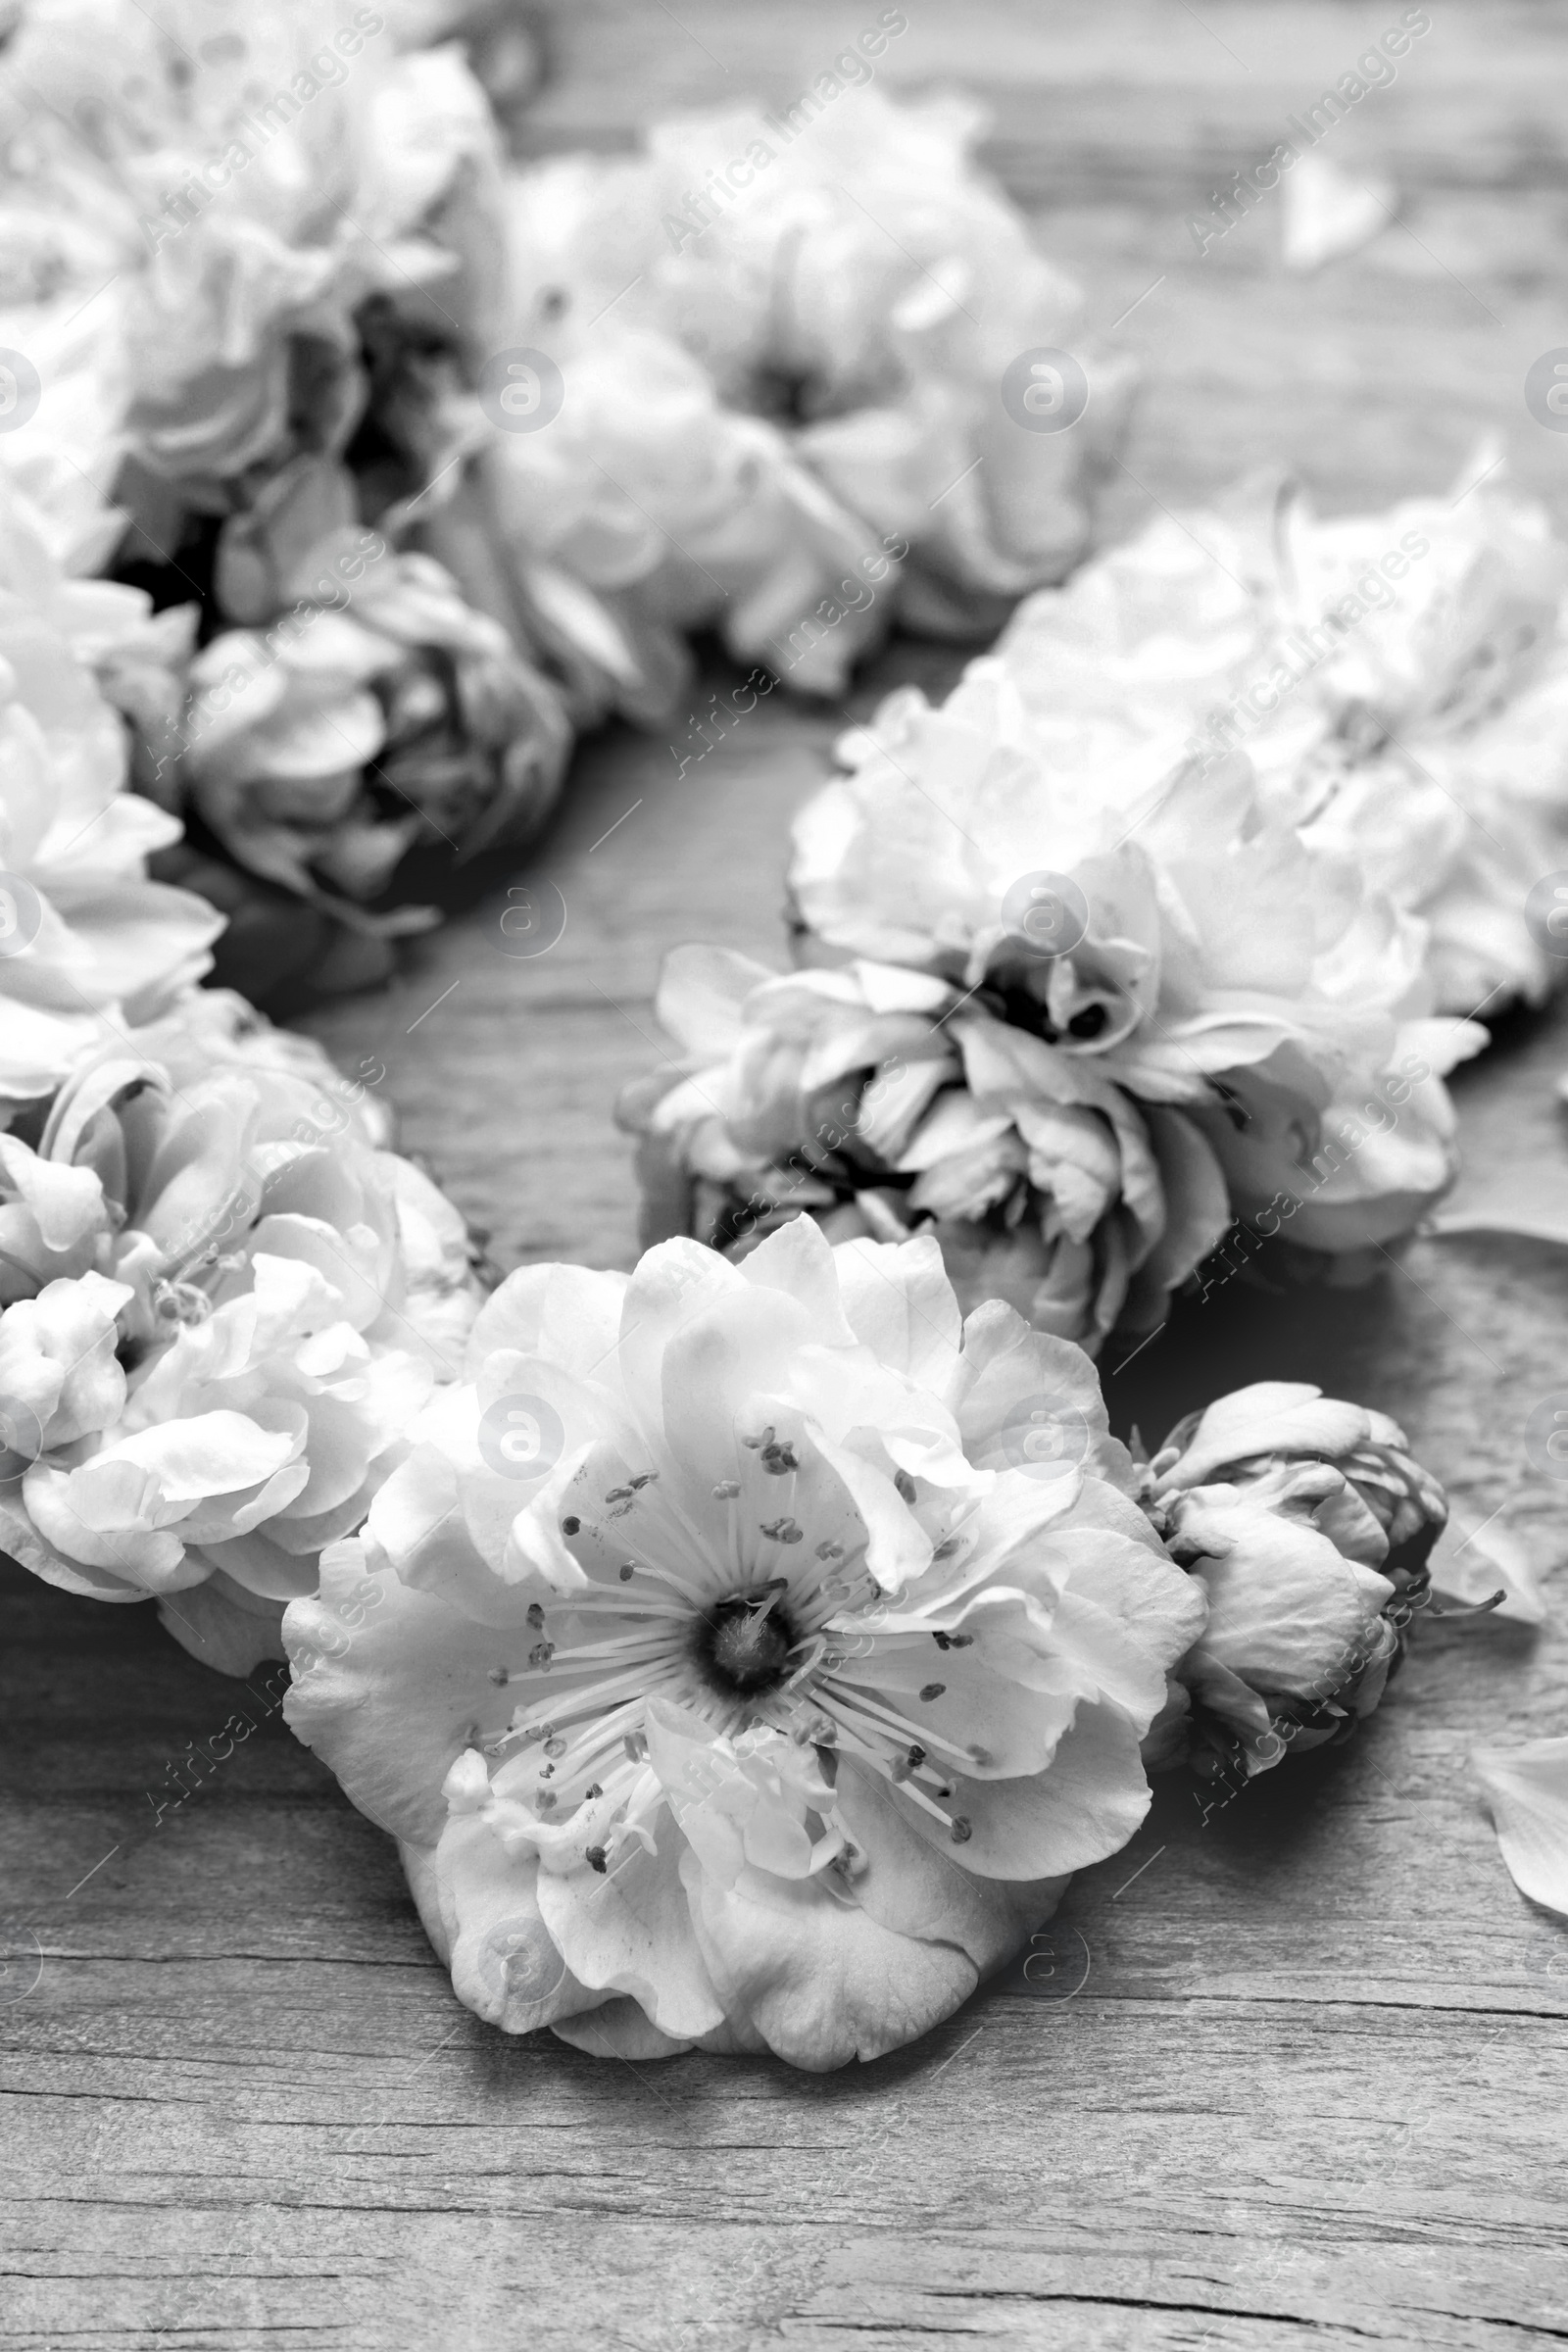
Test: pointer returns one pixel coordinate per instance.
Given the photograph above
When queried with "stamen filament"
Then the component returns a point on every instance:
(920, 1735)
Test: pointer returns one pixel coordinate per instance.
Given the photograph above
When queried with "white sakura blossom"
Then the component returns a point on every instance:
(745, 1655)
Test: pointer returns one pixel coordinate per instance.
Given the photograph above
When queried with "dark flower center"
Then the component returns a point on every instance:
(747, 1642)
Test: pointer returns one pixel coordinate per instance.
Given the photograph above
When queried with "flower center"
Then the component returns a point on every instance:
(748, 1644)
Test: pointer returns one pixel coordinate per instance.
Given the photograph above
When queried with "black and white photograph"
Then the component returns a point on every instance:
(783, 1175)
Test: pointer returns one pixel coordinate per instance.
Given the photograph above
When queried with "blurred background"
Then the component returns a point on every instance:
(1374, 375)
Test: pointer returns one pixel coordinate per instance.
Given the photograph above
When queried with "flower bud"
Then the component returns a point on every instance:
(1309, 1524)
(1242, 1435)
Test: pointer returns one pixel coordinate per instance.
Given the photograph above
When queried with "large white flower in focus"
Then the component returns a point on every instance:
(747, 1655)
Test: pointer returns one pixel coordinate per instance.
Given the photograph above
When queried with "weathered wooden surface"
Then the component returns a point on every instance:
(1290, 2073)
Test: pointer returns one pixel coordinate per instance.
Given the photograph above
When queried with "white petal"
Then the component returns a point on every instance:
(1527, 1790)
(1468, 1567)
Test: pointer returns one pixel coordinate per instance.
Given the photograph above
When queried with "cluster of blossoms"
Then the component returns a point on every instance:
(455, 458)
(747, 1651)
(1399, 682)
(221, 1304)
(1072, 998)
(255, 192)
(814, 313)
(238, 246)
(745, 1655)
(222, 1300)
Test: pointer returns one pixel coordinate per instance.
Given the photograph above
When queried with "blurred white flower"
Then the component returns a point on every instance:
(65, 387)
(615, 503)
(257, 184)
(1399, 682)
(644, 511)
(863, 297)
(88, 944)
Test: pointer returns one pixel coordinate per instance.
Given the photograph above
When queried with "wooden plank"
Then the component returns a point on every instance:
(1288, 2071)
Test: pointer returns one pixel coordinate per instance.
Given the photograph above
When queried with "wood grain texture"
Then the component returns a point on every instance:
(1290, 2071)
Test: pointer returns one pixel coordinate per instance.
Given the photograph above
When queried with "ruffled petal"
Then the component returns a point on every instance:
(817, 1978)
